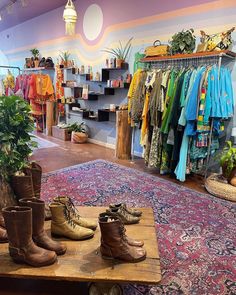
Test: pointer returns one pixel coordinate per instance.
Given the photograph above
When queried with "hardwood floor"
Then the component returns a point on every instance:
(64, 155)
(67, 154)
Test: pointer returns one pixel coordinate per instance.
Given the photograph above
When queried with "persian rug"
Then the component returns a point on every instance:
(42, 143)
(196, 232)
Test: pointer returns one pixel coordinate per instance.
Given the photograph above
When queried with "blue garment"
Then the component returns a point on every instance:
(192, 104)
(180, 170)
(215, 92)
(229, 99)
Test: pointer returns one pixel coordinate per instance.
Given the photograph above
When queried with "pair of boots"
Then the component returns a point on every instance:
(29, 185)
(115, 244)
(28, 241)
(126, 214)
(66, 221)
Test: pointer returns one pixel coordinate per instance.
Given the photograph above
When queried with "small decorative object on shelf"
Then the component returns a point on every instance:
(65, 61)
(35, 53)
(120, 54)
(183, 42)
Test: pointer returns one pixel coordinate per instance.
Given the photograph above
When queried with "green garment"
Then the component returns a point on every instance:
(137, 63)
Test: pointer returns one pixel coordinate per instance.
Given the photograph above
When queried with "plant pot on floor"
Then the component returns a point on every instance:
(79, 137)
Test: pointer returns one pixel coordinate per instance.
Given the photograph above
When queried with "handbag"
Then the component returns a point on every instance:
(157, 49)
(49, 63)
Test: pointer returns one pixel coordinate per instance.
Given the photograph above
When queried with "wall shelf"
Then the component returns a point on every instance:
(197, 55)
(38, 69)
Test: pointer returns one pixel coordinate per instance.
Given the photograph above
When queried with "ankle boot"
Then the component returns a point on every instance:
(22, 249)
(114, 245)
(123, 215)
(131, 211)
(40, 236)
(3, 232)
(62, 225)
(22, 185)
(84, 222)
(130, 241)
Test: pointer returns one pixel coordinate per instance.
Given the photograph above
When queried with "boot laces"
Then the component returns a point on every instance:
(68, 218)
(72, 208)
(123, 232)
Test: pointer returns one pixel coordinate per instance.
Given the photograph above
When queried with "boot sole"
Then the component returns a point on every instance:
(81, 239)
(120, 260)
(22, 261)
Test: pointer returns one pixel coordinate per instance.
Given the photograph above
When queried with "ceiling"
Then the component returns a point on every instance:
(21, 14)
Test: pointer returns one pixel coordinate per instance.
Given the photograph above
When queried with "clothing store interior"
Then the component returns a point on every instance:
(117, 147)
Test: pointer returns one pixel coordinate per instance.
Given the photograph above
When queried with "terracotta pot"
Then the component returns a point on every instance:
(119, 63)
(78, 137)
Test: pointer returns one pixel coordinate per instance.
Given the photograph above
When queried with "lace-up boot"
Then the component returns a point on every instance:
(40, 236)
(124, 216)
(130, 241)
(62, 225)
(22, 249)
(85, 222)
(131, 211)
(114, 243)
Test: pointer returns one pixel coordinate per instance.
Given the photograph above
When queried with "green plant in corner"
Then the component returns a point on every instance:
(121, 52)
(183, 42)
(228, 160)
(15, 141)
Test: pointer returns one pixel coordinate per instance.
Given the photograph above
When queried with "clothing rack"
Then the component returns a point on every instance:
(11, 67)
(184, 60)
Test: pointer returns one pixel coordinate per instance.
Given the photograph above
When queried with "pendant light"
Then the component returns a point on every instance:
(70, 17)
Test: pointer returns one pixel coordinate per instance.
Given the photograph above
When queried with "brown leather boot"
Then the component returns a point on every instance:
(22, 185)
(132, 211)
(22, 249)
(114, 244)
(36, 171)
(123, 215)
(40, 237)
(3, 232)
(130, 241)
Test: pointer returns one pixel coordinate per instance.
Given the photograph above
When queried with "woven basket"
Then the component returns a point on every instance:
(218, 186)
(78, 137)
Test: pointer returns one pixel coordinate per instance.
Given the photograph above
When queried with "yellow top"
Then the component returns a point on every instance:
(44, 85)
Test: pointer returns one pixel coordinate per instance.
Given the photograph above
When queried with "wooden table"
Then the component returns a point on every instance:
(82, 261)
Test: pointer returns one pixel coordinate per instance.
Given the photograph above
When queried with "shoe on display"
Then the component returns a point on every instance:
(39, 235)
(131, 211)
(22, 249)
(121, 213)
(114, 244)
(63, 225)
(130, 241)
(82, 221)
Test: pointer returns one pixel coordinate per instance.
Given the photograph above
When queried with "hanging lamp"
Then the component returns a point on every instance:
(70, 17)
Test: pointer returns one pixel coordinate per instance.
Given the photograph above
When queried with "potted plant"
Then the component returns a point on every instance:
(15, 148)
(35, 53)
(65, 55)
(120, 53)
(228, 163)
(183, 42)
(79, 132)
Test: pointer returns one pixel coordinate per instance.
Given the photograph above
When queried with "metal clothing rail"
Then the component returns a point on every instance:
(11, 67)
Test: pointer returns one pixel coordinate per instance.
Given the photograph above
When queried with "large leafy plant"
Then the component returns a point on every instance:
(82, 127)
(228, 159)
(122, 51)
(183, 42)
(15, 141)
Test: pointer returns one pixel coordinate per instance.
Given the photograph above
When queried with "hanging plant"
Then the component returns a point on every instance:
(183, 42)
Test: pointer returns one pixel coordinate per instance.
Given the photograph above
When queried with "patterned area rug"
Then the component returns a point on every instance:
(196, 232)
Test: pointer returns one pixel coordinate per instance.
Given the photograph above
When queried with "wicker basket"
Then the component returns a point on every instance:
(78, 137)
(218, 186)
